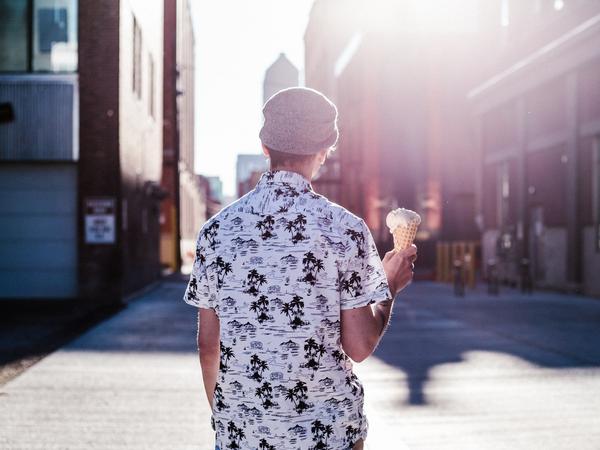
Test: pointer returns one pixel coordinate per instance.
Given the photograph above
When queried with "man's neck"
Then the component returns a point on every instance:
(305, 172)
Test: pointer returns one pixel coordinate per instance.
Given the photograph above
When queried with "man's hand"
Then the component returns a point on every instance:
(398, 266)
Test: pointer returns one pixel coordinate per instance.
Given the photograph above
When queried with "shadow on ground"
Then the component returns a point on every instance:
(432, 327)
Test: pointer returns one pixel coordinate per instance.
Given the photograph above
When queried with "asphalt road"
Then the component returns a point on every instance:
(508, 372)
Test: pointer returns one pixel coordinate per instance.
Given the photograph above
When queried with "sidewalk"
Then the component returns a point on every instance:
(482, 373)
(131, 382)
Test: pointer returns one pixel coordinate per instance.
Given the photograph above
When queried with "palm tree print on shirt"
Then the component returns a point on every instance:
(235, 435)
(257, 366)
(219, 403)
(226, 355)
(255, 280)
(193, 288)
(266, 227)
(351, 435)
(359, 238)
(313, 353)
(297, 395)
(311, 267)
(261, 308)
(223, 268)
(338, 356)
(210, 233)
(265, 394)
(352, 285)
(294, 311)
(264, 445)
(286, 191)
(352, 382)
(297, 227)
(200, 254)
(321, 434)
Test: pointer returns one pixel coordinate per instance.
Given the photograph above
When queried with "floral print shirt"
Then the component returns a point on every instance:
(278, 266)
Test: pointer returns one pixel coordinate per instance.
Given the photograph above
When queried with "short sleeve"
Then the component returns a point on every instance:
(362, 280)
(199, 292)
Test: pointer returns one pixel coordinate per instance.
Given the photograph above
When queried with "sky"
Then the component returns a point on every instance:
(236, 41)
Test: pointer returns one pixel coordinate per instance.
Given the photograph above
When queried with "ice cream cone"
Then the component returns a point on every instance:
(403, 224)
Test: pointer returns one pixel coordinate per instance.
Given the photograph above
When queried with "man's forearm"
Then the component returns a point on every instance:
(382, 312)
(209, 362)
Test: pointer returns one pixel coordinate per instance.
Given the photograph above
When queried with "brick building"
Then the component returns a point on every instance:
(80, 148)
(537, 119)
(248, 169)
(404, 118)
(185, 209)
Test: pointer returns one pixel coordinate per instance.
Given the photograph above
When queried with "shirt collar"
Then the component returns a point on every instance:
(275, 177)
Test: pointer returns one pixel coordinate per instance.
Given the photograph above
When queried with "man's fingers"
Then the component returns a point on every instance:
(389, 255)
(409, 252)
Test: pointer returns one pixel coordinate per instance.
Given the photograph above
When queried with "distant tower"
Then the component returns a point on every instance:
(280, 75)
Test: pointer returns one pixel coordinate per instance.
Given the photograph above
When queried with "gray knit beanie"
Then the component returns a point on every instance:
(299, 120)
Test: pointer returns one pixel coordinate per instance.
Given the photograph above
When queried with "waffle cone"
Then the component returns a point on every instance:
(404, 236)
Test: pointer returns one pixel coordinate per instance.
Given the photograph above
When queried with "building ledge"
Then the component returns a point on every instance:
(577, 34)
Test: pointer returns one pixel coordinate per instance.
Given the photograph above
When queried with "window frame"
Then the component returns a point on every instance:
(30, 36)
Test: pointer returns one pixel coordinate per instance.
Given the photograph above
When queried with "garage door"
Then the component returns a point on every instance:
(38, 233)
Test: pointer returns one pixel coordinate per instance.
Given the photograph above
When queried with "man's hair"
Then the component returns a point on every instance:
(290, 160)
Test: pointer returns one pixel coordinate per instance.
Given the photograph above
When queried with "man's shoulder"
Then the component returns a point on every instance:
(342, 216)
(225, 212)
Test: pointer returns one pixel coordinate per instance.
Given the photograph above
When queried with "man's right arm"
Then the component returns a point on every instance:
(363, 327)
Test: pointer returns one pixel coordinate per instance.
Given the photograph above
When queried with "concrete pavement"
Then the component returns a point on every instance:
(132, 382)
(512, 372)
(508, 372)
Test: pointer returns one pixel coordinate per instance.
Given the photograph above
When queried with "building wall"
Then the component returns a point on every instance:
(591, 262)
(247, 168)
(46, 117)
(181, 207)
(540, 118)
(100, 266)
(186, 71)
(193, 196)
(140, 144)
(169, 210)
(280, 75)
(406, 137)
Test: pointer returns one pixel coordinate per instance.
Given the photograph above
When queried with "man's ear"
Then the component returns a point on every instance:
(265, 150)
(323, 156)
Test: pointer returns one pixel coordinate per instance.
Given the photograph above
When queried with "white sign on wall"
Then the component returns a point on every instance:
(100, 220)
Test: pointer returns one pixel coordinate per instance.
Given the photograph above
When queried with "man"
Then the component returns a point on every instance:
(290, 291)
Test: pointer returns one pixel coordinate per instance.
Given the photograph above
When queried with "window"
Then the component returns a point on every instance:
(38, 35)
(151, 86)
(137, 59)
(14, 46)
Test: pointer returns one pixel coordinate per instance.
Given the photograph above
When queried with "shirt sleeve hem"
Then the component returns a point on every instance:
(367, 299)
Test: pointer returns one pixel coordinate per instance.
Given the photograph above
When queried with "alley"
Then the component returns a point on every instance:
(509, 372)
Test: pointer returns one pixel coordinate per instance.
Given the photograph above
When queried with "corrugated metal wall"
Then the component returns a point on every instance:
(46, 118)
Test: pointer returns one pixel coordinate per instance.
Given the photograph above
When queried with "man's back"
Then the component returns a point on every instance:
(278, 266)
